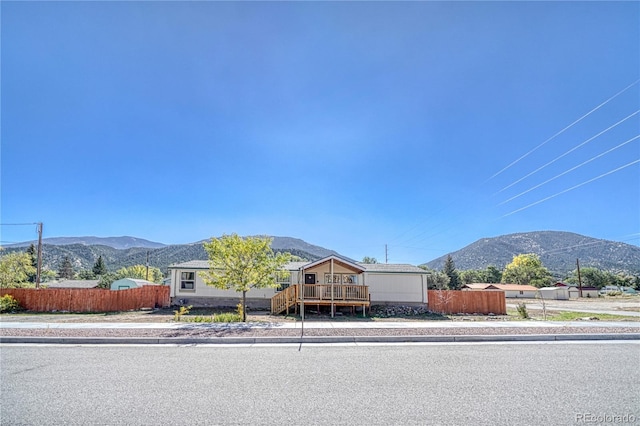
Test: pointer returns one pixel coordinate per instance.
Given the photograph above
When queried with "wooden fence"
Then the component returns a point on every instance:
(89, 299)
(467, 302)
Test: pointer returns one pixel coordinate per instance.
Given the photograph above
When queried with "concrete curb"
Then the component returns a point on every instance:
(318, 339)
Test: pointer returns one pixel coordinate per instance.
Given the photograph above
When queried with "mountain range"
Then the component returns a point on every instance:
(558, 251)
(118, 252)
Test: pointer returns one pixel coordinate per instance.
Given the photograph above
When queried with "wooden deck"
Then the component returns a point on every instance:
(321, 295)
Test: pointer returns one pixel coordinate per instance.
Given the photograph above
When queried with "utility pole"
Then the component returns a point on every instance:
(386, 254)
(39, 264)
(579, 278)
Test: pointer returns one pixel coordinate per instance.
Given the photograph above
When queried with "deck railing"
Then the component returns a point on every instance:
(284, 299)
(341, 292)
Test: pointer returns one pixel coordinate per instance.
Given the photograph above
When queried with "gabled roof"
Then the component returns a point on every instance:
(192, 264)
(337, 259)
(73, 284)
(296, 266)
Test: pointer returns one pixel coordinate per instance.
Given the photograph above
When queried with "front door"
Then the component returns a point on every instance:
(309, 278)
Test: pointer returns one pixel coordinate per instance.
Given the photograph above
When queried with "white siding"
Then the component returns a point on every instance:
(203, 290)
(396, 288)
(515, 294)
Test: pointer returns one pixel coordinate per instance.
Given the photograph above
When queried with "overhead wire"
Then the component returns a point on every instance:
(570, 151)
(573, 187)
(570, 170)
(564, 129)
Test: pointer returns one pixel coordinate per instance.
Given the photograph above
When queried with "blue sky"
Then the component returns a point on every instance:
(350, 125)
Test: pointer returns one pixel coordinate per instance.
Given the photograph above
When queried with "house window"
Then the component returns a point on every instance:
(188, 281)
(341, 279)
(336, 279)
(350, 279)
(521, 292)
(283, 279)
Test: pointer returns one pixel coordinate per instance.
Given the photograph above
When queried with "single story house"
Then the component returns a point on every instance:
(72, 284)
(554, 293)
(574, 291)
(127, 283)
(510, 290)
(332, 280)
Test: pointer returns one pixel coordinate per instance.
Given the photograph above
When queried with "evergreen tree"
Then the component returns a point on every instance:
(449, 270)
(99, 268)
(33, 255)
(66, 269)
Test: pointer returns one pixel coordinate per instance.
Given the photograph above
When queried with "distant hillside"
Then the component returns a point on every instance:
(84, 256)
(558, 251)
(114, 242)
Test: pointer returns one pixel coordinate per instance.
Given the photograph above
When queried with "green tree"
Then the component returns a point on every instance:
(66, 269)
(99, 267)
(527, 269)
(436, 280)
(15, 270)
(140, 272)
(369, 260)
(494, 275)
(107, 279)
(242, 264)
(33, 255)
(449, 269)
(86, 274)
(594, 277)
(472, 276)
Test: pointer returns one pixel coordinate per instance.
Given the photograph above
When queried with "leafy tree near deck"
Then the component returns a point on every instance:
(242, 264)
(527, 269)
(449, 270)
(15, 270)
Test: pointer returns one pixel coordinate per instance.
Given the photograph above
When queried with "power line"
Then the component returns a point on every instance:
(573, 187)
(570, 170)
(570, 151)
(566, 128)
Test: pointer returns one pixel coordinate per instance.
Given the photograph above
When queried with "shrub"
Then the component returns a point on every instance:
(183, 310)
(8, 303)
(522, 310)
(223, 317)
(227, 317)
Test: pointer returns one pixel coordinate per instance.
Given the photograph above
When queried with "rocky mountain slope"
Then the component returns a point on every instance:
(83, 255)
(558, 251)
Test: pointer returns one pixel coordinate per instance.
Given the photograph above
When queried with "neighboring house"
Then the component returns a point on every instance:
(127, 283)
(574, 291)
(332, 280)
(589, 292)
(73, 284)
(510, 290)
(554, 293)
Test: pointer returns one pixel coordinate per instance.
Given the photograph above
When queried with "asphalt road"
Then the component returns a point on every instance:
(452, 384)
